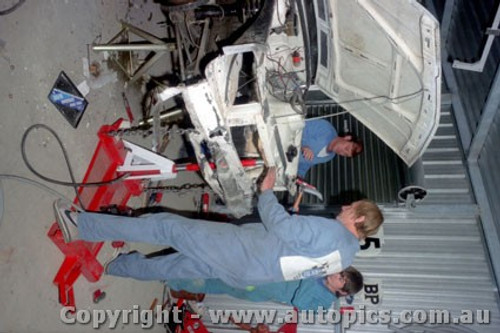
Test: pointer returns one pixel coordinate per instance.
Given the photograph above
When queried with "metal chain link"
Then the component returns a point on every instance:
(140, 130)
(177, 188)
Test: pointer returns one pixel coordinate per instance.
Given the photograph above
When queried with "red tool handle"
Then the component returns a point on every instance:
(195, 167)
(127, 108)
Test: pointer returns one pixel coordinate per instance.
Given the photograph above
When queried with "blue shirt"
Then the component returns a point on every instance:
(306, 294)
(317, 135)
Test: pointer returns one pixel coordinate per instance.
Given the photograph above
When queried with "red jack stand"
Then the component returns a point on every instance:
(81, 256)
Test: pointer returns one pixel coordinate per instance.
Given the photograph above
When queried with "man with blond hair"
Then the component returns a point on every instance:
(280, 248)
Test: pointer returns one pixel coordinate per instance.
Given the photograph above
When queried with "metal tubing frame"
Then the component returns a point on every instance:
(156, 45)
(478, 66)
(133, 47)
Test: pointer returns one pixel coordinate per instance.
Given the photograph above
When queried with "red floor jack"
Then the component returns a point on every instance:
(81, 256)
(191, 322)
(112, 158)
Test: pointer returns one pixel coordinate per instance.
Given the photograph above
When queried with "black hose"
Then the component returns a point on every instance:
(73, 183)
(1, 202)
(13, 8)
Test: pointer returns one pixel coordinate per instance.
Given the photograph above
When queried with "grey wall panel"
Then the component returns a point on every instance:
(431, 263)
(489, 165)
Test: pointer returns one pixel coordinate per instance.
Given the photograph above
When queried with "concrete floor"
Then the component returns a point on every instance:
(37, 41)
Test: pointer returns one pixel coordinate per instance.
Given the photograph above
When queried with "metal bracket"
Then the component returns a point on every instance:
(491, 31)
(411, 195)
(478, 66)
(142, 163)
(153, 44)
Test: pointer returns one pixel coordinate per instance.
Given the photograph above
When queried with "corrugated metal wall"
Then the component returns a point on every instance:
(377, 173)
(428, 262)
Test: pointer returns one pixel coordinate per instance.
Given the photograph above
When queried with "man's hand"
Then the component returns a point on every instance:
(269, 180)
(308, 153)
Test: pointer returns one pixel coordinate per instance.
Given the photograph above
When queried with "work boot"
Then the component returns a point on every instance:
(67, 220)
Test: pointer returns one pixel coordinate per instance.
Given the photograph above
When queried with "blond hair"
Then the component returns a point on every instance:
(373, 218)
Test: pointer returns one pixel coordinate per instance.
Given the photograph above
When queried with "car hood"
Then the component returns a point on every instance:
(380, 61)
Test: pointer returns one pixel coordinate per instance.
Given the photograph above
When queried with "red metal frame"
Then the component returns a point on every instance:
(81, 256)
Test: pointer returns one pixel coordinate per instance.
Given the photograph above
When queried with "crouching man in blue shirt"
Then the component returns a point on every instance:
(321, 143)
(279, 248)
(306, 294)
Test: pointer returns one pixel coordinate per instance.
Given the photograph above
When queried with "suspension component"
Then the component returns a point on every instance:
(243, 12)
(180, 5)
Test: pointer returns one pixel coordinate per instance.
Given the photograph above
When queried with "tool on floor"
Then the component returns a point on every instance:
(345, 309)
(152, 309)
(205, 203)
(127, 108)
(98, 296)
(65, 96)
(191, 322)
(155, 198)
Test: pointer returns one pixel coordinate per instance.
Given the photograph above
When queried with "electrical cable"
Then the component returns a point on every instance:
(298, 98)
(13, 8)
(37, 184)
(28, 164)
(73, 183)
(1, 201)
(55, 181)
(395, 100)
